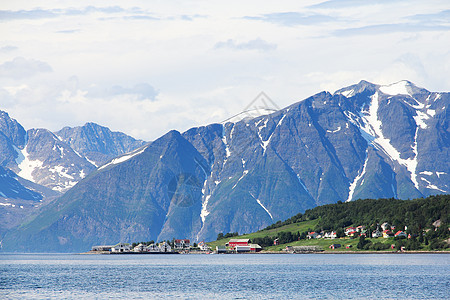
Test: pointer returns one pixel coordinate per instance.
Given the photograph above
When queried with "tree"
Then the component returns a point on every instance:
(220, 236)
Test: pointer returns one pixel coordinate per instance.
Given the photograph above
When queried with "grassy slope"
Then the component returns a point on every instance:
(295, 227)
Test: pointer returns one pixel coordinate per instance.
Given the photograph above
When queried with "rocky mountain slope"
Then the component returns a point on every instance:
(37, 165)
(363, 141)
(59, 160)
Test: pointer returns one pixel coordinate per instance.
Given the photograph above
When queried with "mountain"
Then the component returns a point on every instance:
(37, 165)
(59, 160)
(363, 141)
(96, 143)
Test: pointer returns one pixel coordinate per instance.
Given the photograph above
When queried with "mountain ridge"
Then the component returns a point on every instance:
(358, 142)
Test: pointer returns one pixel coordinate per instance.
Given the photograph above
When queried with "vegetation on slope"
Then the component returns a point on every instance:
(418, 216)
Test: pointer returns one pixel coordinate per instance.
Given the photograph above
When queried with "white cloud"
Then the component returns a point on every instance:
(256, 44)
(21, 67)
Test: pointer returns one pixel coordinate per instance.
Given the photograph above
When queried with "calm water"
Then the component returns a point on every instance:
(252, 276)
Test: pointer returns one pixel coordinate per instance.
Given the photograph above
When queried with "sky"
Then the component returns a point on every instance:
(147, 67)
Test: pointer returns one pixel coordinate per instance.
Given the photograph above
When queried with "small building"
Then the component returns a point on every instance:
(255, 248)
(242, 248)
(437, 223)
(376, 234)
(152, 248)
(139, 248)
(387, 234)
(276, 242)
(330, 235)
(385, 226)
(348, 246)
(164, 247)
(237, 242)
(203, 246)
(350, 230)
(121, 247)
(102, 248)
(401, 234)
(221, 249)
(335, 246)
(182, 244)
(360, 228)
(312, 235)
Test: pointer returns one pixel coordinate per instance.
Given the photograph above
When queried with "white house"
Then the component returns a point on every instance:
(330, 235)
(121, 247)
(152, 248)
(385, 226)
(139, 248)
(377, 234)
(203, 246)
(164, 247)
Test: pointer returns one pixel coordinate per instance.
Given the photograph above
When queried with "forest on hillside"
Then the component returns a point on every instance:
(416, 217)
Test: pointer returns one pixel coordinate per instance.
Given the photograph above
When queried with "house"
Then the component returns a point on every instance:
(350, 230)
(348, 246)
(139, 248)
(221, 249)
(203, 246)
(377, 234)
(276, 242)
(437, 223)
(102, 248)
(164, 247)
(360, 228)
(387, 234)
(330, 235)
(152, 248)
(351, 233)
(121, 247)
(182, 244)
(312, 235)
(385, 226)
(335, 246)
(401, 234)
(237, 242)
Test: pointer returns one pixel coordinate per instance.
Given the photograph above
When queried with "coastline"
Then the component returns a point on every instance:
(271, 252)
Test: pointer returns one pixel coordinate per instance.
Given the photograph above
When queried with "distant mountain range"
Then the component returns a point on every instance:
(38, 165)
(363, 141)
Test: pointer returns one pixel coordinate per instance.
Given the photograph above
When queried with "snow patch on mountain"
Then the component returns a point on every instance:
(250, 114)
(204, 212)
(373, 128)
(123, 158)
(259, 202)
(334, 131)
(357, 178)
(27, 165)
(348, 93)
(398, 88)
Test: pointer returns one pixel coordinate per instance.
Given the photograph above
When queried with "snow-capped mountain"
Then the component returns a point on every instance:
(98, 144)
(59, 160)
(363, 141)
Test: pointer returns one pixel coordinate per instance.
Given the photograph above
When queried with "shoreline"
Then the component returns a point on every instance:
(269, 252)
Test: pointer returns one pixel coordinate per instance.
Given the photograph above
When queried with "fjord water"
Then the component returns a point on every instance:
(249, 276)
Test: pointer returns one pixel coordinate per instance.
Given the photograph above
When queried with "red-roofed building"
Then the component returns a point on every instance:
(400, 234)
(182, 244)
(238, 242)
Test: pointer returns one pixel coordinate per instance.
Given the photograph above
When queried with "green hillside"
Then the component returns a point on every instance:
(418, 216)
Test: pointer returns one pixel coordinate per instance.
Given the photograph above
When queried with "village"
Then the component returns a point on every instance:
(245, 245)
(178, 246)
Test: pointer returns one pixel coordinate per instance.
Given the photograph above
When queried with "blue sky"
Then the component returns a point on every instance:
(146, 67)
